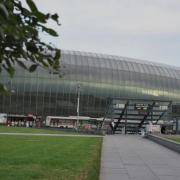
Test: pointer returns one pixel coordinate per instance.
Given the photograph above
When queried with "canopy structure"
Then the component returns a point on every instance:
(133, 114)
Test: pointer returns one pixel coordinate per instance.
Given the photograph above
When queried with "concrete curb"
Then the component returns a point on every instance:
(165, 142)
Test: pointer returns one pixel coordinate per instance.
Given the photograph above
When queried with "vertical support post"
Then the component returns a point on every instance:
(177, 125)
(78, 98)
(151, 115)
(126, 123)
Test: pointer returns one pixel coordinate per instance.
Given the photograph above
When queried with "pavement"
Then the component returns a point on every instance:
(132, 157)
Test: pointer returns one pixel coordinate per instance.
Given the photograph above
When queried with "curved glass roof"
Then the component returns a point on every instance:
(120, 63)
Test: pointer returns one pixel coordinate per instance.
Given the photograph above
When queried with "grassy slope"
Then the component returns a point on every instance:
(30, 130)
(174, 138)
(62, 158)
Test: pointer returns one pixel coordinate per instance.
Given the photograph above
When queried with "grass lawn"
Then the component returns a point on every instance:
(49, 158)
(6, 129)
(174, 138)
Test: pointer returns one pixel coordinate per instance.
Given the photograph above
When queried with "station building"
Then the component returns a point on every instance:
(96, 77)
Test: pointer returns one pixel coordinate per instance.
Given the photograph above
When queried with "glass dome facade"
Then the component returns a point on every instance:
(98, 76)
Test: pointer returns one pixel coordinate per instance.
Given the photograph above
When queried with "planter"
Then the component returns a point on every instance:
(175, 146)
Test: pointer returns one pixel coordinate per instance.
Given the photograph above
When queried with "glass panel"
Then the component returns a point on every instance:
(124, 66)
(141, 68)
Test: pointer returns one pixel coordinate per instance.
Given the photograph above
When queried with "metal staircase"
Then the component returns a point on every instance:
(130, 115)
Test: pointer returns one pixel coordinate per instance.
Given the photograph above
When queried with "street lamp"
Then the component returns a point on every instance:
(11, 92)
(78, 99)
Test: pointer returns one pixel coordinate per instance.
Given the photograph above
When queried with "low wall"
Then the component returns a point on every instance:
(165, 142)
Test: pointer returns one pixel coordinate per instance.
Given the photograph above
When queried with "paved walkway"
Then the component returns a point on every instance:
(132, 157)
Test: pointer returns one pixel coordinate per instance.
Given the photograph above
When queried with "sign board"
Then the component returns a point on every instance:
(141, 106)
(120, 106)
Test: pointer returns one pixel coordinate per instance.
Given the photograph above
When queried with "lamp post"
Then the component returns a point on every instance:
(11, 91)
(78, 98)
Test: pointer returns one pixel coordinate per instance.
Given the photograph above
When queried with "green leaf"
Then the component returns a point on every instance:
(57, 58)
(58, 54)
(32, 5)
(41, 17)
(50, 61)
(42, 61)
(55, 17)
(20, 63)
(1, 33)
(50, 31)
(3, 89)
(33, 67)
(31, 46)
(11, 71)
(3, 10)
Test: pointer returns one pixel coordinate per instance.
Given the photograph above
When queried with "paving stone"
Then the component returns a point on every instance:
(113, 171)
(169, 178)
(113, 165)
(166, 171)
(141, 172)
(110, 176)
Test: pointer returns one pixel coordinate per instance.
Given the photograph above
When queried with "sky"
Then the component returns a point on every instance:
(143, 29)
